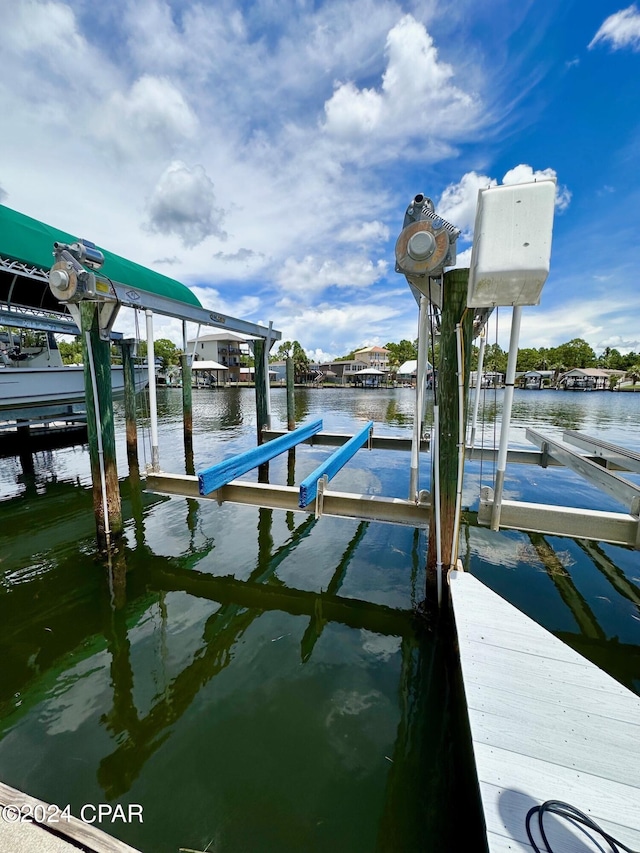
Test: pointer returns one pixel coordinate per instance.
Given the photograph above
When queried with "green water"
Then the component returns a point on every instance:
(204, 676)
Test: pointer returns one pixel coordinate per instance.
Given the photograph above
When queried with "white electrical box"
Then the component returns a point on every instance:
(511, 244)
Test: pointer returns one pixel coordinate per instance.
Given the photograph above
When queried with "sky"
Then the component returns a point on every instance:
(264, 153)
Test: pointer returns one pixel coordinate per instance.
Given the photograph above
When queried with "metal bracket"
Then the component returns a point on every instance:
(370, 439)
(323, 482)
(544, 455)
(107, 313)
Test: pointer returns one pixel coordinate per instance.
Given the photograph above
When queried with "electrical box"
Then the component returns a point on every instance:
(512, 244)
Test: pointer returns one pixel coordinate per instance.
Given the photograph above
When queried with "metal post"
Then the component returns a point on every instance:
(506, 415)
(476, 399)
(421, 372)
(153, 402)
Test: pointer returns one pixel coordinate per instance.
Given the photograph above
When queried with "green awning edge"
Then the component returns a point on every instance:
(31, 242)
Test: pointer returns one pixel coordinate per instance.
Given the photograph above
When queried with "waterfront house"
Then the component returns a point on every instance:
(225, 347)
(534, 380)
(344, 371)
(589, 379)
(374, 357)
(407, 372)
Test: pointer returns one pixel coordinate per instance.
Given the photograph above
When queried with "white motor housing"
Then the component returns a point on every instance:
(512, 244)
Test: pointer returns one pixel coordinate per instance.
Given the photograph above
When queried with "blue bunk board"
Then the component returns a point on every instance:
(223, 472)
(309, 486)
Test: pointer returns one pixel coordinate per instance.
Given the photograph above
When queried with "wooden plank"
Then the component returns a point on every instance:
(546, 724)
(71, 831)
(222, 473)
(505, 793)
(331, 466)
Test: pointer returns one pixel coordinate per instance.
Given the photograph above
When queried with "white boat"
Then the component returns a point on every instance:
(36, 379)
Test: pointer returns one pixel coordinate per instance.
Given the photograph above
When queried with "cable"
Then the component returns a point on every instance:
(569, 812)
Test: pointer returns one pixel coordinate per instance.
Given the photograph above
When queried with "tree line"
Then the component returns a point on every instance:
(574, 353)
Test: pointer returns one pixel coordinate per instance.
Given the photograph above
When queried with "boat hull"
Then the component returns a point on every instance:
(32, 387)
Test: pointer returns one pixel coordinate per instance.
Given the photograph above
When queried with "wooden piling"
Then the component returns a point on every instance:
(454, 312)
(130, 401)
(187, 410)
(100, 429)
(261, 379)
(291, 406)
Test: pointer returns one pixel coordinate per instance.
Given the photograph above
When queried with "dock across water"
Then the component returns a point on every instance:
(546, 724)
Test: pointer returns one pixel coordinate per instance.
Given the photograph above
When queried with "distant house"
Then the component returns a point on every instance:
(407, 372)
(589, 379)
(247, 374)
(534, 380)
(225, 347)
(344, 371)
(376, 357)
(491, 379)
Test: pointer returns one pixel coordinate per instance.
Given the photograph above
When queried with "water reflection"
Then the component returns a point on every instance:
(232, 672)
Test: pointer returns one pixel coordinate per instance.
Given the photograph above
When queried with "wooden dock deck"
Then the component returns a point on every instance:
(546, 724)
(52, 834)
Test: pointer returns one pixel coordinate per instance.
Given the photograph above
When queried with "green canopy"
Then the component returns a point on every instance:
(31, 242)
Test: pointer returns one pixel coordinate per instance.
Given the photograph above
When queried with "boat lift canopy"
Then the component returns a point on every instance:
(26, 301)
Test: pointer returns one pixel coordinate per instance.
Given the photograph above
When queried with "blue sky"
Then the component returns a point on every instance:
(264, 153)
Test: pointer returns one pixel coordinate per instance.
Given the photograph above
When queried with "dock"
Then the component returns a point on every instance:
(546, 724)
(50, 831)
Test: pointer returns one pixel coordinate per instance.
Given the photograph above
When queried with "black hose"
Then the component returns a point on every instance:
(557, 807)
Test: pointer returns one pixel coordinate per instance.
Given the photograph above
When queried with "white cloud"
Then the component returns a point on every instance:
(47, 27)
(183, 203)
(620, 30)
(312, 275)
(623, 345)
(334, 329)
(523, 174)
(417, 100)
(459, 201)
(463, 259)
(364, 233)
(151, 117)
(236, 305)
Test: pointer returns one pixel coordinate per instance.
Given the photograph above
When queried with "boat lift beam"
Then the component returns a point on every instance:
(617, 487)
(611, 454)
(338, 504)
(615, 527)
(336, 439)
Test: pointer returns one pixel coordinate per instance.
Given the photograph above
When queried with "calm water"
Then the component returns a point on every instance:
(204, 677)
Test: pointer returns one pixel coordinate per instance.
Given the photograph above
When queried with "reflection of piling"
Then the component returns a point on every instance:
(128, 371)
(100, 429)
(454, 313)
